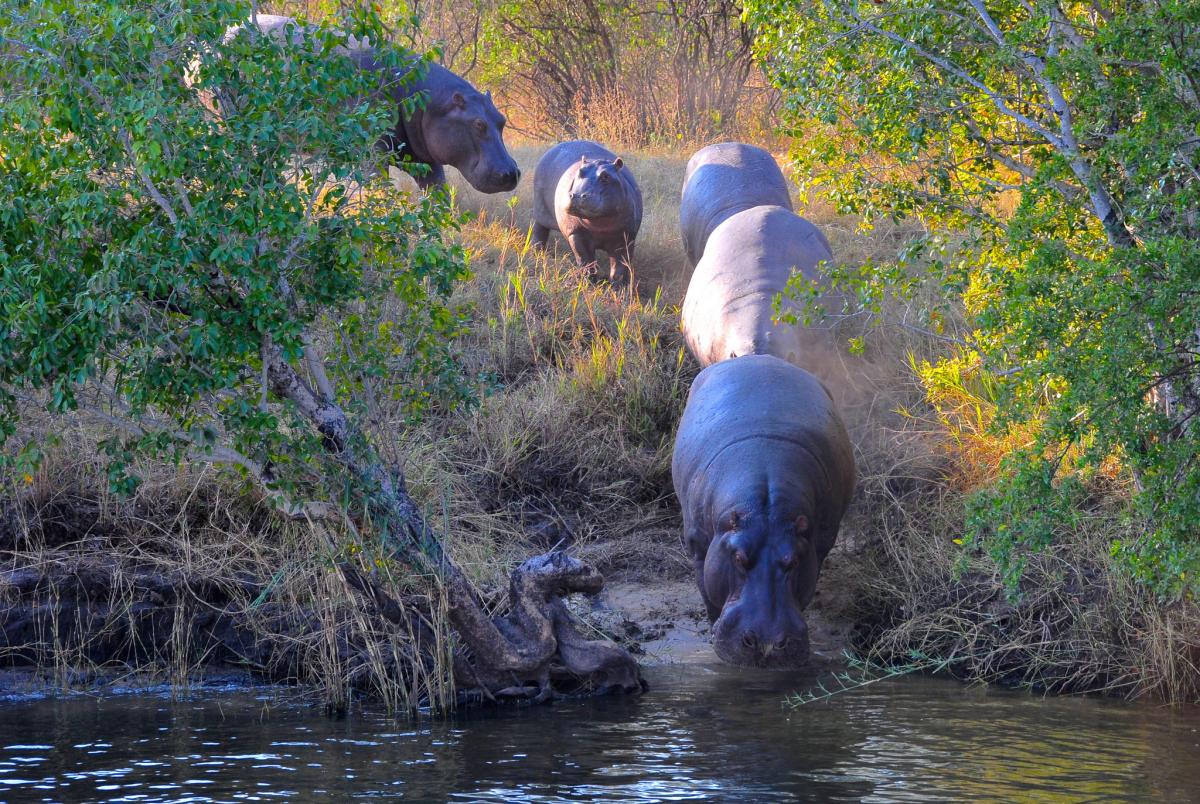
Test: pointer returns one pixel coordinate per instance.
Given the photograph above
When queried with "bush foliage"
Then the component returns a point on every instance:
(154, 253)
(1051, 152)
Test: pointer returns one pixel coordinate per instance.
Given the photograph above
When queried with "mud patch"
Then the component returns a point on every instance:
(666, 624)
(665, 621)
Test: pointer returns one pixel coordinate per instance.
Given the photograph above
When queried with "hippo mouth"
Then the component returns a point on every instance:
(495, 182)
(578, 210)
(485, 178)
(742, 647)
(585, 210)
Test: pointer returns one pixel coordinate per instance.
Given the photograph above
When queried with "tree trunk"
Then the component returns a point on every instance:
(530, 651)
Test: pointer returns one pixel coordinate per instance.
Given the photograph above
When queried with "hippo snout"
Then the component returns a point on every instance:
(579, 204)
(509, 178)
(500, 181)
(754, 638)
(765, 646)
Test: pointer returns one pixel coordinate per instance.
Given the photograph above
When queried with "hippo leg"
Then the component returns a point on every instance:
(540, 235)
(620, 267)
(618, 272)
(713, 610)
(585, 252)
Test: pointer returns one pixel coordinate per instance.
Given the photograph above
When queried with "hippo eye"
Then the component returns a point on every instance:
(605, 178)
(480, 127)
(740, 560)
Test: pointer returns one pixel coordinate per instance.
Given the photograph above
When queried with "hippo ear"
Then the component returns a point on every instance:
(618, 163)
(801, 524)
(459, 100)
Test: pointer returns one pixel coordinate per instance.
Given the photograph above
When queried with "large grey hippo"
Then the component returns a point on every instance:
(728, 312)
(457, 125)
(586, 192)
(722, 180)
(764, 470)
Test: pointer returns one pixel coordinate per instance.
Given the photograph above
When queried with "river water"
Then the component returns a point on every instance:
(701, 733)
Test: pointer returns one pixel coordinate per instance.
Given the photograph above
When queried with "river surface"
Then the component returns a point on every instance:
(701, 733)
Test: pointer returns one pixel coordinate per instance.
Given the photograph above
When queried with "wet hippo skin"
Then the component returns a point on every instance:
(764, 471)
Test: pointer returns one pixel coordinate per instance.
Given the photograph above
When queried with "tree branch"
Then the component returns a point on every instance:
(952, 69)
(1103, 203)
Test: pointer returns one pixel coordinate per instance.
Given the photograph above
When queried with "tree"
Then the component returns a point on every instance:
(646, 72)
(190, 283)
(1051, 151)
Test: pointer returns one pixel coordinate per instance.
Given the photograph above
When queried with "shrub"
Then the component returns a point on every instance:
(1050, 152)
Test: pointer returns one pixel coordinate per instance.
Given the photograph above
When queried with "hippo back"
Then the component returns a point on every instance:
(722, 180)
(728, 311)
(775, 412)
(550, 169)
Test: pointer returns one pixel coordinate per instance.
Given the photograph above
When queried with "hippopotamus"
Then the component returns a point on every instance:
(728, 310)
(722, 180)
(763, 470)
(585, 191)
(457, 125)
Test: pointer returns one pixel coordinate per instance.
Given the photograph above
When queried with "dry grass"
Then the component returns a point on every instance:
(574, 445)
(619, 116)
(898, 576)
(192, 571)
(1076, 623)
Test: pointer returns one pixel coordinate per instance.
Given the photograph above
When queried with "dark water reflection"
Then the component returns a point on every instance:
(701, 734)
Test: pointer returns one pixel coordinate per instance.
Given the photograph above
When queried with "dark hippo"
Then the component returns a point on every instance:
(583, 190)
(722, 180)
(764, 470)
(456, 126)
(728, 311)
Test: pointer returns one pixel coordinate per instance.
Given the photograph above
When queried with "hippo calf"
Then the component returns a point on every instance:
(748, 259)
(722, 180)
(586, 192)
(763, 470)
(457, 125)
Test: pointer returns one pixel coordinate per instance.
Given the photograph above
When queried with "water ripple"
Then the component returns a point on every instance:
(701, 734)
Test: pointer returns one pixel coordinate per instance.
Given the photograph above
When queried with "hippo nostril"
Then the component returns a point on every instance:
(781, 643)
(749, 640)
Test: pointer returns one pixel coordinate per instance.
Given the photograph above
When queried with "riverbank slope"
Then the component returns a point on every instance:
(571, 447)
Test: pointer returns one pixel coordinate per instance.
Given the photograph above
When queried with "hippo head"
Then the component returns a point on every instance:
(466, 130)
(596, 189)
(757, 573)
